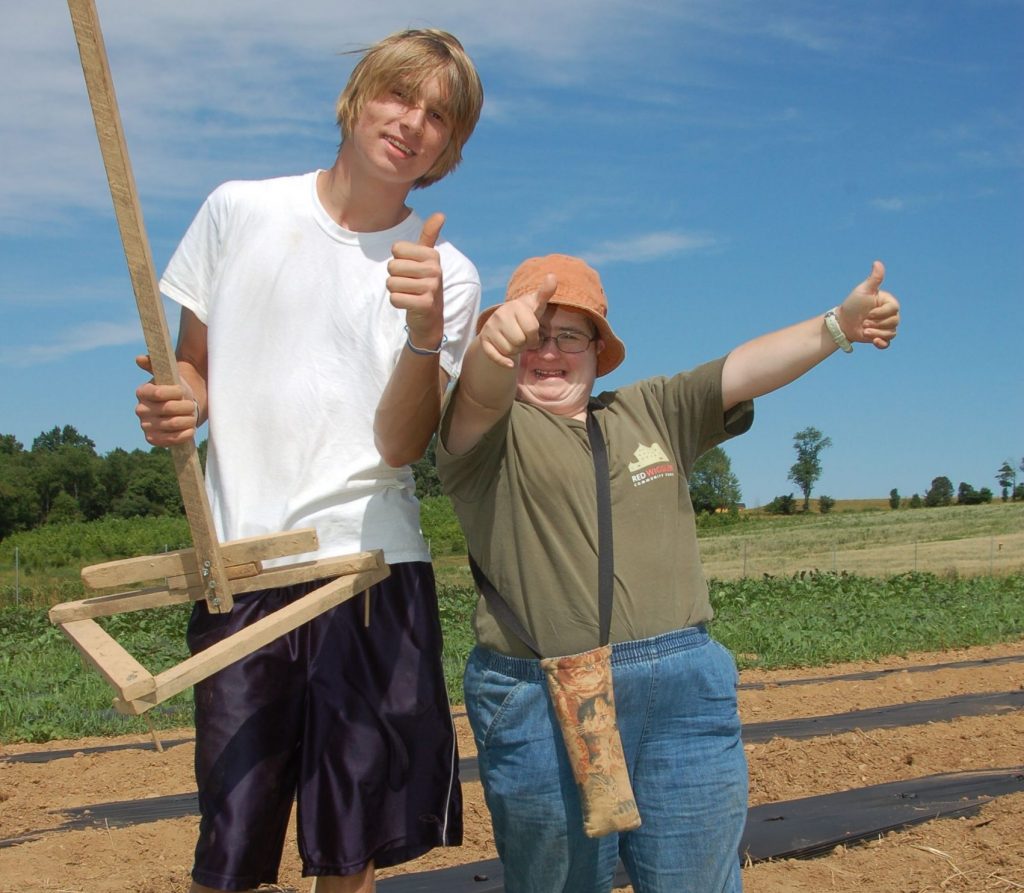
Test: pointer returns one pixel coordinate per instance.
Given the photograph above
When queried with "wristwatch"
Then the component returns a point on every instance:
(836, 331)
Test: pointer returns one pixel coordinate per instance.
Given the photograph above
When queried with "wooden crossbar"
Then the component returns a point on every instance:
(245, 641)
(138, 690)
(173, 593)
(117, 666)
(244, 552)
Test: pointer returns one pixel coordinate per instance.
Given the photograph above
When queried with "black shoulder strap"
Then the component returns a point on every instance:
(501, 608)
(605, 555)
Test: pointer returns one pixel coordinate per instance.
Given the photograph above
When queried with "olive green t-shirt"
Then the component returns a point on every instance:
(525, 496)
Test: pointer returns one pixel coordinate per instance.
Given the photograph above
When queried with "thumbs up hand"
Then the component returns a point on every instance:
(416, 284)
(868, 314)
(515, 325)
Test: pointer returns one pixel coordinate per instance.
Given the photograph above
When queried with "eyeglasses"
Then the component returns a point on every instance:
(568, 342)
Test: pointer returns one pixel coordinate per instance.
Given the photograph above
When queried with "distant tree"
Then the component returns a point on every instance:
(114, 474)
(894, 499)
(19, 503)
(64, 460)
(1018, 492)
(64, 509)
(424, 472)
(826, 504)
(57, 437)
(940, 492)
(151, 487)
(781, 505)
(149, 493)
(79, 477)
(713, 486)
(966, 494)
(10, 445)
(807, 469)
(1007, 479)
(915, 501)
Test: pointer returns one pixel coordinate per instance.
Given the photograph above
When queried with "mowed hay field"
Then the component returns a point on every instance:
(863, 537)
(870, 539)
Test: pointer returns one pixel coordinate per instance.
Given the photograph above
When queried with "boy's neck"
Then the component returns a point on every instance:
(363, 206)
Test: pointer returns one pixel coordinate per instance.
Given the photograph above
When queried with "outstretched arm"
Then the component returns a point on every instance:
(868, 315)
(410, 406)
(487, 385)
(170, 414)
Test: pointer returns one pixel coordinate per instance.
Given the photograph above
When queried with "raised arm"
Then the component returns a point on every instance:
(410, 406)
(170, 414)
(868, 315)
(487, 384)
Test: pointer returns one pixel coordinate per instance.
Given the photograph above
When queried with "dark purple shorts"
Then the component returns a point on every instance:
(353, 721)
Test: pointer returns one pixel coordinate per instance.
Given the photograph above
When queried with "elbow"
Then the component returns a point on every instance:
(397, 460)
(397, 455)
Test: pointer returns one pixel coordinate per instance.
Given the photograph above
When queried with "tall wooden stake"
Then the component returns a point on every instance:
(147, 293)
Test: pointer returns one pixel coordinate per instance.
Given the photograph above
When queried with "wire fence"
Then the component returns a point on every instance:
(726, 558)
(977, 556)
(20, 584)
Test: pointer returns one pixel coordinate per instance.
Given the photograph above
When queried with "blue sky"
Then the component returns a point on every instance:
(729, 166)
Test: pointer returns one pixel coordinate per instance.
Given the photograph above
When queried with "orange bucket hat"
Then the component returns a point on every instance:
(579, 288)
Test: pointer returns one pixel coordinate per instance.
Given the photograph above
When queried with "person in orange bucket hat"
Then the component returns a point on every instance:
(519, 446)
(578, 287)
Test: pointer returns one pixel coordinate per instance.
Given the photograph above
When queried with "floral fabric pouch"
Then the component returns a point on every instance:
(584, 700)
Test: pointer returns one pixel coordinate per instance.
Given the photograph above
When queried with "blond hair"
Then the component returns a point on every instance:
(409, 59)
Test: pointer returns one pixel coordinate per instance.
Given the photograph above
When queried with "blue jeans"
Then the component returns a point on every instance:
(675, 696)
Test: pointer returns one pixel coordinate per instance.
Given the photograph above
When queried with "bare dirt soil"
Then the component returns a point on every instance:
(976, 854)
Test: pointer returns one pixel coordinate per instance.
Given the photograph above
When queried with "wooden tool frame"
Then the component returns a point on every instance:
(209, 571)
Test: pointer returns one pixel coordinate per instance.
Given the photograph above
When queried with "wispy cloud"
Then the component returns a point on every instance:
(76, 340)
(649, 246)
(890, 203)
(205, 89)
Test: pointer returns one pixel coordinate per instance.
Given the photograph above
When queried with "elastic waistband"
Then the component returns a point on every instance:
(637, 651)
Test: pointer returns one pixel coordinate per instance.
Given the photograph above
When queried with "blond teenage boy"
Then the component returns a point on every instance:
(321, 320)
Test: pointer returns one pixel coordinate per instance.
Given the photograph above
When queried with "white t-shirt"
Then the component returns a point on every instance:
(302, 339)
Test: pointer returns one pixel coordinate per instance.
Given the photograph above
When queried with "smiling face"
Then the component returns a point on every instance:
(400, 135)
(559, 382)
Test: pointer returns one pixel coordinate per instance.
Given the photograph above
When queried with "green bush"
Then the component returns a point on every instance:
(440, 526)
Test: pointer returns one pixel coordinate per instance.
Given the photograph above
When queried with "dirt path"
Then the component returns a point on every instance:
(969, 855)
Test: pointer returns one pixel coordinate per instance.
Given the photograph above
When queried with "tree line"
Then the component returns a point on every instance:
(62, 478)
(715, 489)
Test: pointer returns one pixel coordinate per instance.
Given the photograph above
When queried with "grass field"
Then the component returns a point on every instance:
(787, 591)
(954, 540)
(864, 537)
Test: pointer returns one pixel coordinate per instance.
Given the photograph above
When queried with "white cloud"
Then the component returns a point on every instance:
(79, 339)
(891, 203)
(209, 90)
(649, 246)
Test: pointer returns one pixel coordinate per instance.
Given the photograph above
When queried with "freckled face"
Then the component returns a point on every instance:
(559, 382)
(399, 137)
